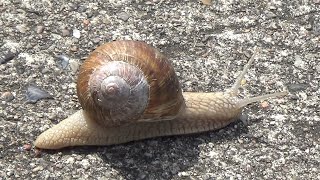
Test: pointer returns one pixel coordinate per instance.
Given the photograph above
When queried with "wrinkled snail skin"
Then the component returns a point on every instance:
(167, 112)
(204, 112)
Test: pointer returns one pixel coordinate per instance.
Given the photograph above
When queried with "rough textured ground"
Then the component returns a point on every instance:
(208, 45)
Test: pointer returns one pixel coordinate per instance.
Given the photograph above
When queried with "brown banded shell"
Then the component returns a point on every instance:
(126, 81)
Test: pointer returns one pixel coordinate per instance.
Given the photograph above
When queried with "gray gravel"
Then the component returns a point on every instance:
(208, 45)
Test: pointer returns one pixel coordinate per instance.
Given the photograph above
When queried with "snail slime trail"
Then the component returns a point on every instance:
(122, 102)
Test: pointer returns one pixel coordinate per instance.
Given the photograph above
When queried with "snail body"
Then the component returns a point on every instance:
(129, 91)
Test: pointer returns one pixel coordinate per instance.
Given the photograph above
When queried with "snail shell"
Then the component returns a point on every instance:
(129, 91)
(127, 81)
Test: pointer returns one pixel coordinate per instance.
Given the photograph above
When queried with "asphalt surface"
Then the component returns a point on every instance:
(43, 43)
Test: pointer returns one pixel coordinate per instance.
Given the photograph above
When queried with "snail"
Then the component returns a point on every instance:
(129, 91)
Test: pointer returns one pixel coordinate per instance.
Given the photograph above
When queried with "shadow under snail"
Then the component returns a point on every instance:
(129, 91)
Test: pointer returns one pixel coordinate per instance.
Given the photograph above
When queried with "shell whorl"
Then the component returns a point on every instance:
(127, 81)
(121, 89)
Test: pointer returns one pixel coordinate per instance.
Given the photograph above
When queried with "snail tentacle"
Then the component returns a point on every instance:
(234, 90)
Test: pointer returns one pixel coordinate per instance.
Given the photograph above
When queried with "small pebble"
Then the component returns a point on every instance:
(73, 48)
(297, 87)
(7, 96)
(264, 104)
(123, 16)
(90, 14)
(76, 33)
(45, 70)
(318, 68)
(176, 39)
(27, 147)
(10, 172)
(243, 82)
(37, 152)
(184, 174)
(299, 62)
(39, 29)
(34, 94)
(38, 168)
(142, 176)
(65, 32)
(308, 27)
(7, 56)
(316, 28)
(207, 2)
(22, 28)
(96, 40)
(244, 119)
(271, 7)
(74, 65)
(70, 160)
(303, 95)
(63, 61)
(86, 22)
(85, 163)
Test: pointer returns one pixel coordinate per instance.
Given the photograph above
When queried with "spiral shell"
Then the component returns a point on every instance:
(123, 82)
